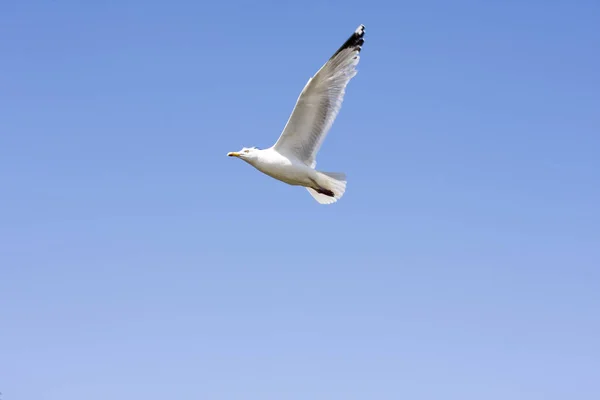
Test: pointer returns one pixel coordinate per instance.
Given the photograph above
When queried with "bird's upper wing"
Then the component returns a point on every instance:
(319, 103)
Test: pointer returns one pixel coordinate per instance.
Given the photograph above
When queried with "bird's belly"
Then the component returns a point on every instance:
(289, 173)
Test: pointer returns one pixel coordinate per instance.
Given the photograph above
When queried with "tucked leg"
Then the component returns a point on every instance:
(326, 192)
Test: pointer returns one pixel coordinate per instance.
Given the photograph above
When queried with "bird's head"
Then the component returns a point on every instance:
(247, 153)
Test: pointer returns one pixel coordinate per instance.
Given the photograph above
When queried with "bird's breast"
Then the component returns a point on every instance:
(284, 170)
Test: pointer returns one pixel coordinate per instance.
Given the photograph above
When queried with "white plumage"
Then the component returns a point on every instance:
(292, 159)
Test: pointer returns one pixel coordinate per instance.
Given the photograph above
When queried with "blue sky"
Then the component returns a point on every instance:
(138, 261)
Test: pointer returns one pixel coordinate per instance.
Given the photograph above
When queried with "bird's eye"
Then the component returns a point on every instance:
(246, 151)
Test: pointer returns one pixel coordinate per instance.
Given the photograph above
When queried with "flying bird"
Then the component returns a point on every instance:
(292, 159)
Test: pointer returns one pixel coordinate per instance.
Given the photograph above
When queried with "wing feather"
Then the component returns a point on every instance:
(319, 103)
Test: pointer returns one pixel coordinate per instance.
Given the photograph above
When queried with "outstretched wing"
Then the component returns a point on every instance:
(319, 103)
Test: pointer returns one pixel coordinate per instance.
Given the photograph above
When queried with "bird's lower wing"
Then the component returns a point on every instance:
(319, 103)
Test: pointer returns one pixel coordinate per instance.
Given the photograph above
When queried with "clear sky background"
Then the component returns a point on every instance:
(137, 261)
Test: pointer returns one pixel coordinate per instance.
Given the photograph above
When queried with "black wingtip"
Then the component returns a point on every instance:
(355, 41)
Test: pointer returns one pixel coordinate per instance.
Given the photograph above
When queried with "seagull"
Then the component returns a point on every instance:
(292, 159)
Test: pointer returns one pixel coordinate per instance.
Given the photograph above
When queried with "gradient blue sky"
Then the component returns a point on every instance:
(137, 261)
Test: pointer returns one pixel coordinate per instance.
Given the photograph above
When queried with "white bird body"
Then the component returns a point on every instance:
(278, 166)
(293, 158)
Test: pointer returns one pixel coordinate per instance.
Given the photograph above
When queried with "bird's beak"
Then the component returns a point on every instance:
(233, 154)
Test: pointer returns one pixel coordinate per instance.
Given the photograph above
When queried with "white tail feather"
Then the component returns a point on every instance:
(334, 181)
